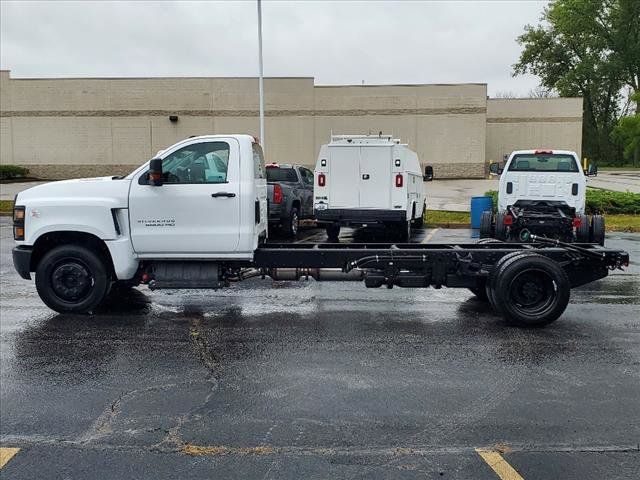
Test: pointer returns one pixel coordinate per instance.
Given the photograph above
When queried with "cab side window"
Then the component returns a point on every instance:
(307, 176)
(197, 163)
(258, 161)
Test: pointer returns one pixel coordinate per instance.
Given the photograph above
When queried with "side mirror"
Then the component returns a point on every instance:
(592, 171)
(494, 169)
(155, 172)
(428, 173)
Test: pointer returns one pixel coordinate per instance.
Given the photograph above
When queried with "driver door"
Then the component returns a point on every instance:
(197, 209)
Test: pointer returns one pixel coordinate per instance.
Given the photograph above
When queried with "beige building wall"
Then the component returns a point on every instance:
(61, 128)
(520, 124)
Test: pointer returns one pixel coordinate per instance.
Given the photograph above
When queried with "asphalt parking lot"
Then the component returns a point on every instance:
(320, 380)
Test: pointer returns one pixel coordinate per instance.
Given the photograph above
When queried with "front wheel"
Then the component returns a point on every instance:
(72, 279)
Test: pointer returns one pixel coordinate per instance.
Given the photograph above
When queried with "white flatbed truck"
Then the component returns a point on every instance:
(196, 217)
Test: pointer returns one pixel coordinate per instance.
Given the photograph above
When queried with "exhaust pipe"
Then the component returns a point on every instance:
(318, 274)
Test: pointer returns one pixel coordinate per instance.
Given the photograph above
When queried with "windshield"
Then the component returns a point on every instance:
(543, 162)
(276, 174)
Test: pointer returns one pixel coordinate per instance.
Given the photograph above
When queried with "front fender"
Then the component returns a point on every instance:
(43, 219)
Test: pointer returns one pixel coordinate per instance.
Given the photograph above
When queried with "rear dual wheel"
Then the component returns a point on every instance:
(486, 225)
(480, 290)
(500, 231)
(293, 224)
(583, 233)
(597, 230)
(528, 289)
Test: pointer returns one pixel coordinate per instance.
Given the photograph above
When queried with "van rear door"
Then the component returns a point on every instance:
(344, 169)
(375, 177)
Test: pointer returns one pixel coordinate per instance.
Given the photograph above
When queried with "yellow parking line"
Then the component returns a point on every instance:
(499, 465)
(7, 454)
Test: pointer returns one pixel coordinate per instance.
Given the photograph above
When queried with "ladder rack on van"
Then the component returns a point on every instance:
(372, 138)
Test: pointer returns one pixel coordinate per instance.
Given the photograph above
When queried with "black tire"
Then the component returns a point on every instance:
(72, 279)
(500, 229)
(293, 223)
(597, 229)
(583, 234)
(419, 222)
(486, 225)
(404, 231)
(490, 285)
(480, 290)
(333, 231)
(531, 290)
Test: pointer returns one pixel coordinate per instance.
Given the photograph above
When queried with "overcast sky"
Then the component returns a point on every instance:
(336, 42)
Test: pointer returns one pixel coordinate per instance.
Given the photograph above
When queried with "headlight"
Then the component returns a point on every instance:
(18, 222)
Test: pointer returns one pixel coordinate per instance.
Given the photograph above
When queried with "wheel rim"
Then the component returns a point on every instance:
(533, 292)
(71, 280)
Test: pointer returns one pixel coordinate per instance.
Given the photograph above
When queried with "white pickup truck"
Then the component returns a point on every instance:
(196, 217)
(542, 192)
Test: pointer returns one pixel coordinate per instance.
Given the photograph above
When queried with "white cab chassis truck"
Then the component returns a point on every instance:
(367, 180)
(196, 217)
(542, 192)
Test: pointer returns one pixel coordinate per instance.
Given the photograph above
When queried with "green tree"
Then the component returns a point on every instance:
(627, 134)
(591, 49)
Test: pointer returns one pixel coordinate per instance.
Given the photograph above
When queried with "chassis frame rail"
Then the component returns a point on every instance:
(527, 283)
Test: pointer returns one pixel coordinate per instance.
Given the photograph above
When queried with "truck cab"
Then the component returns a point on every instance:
(208, 189)
(542, 192)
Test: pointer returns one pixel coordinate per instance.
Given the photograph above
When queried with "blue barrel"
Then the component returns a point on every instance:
(479, 205)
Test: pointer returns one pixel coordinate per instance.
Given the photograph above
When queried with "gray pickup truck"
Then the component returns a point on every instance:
(290, 196)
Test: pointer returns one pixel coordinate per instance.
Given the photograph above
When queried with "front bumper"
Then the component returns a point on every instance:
(360, 216)
(22, 261)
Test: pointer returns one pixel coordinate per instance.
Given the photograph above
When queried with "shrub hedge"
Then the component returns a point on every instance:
(600, 201)
(8, 172)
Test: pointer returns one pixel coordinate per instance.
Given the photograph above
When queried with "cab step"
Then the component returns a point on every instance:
(196, 274)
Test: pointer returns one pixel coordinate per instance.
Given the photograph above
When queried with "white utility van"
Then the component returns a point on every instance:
(366, 180)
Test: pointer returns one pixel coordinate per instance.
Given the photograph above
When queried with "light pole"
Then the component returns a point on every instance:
(261, 79)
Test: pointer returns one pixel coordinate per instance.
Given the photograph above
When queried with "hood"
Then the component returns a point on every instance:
(111, 190)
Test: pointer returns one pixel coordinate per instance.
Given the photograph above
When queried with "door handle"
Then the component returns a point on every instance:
(223, 194)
